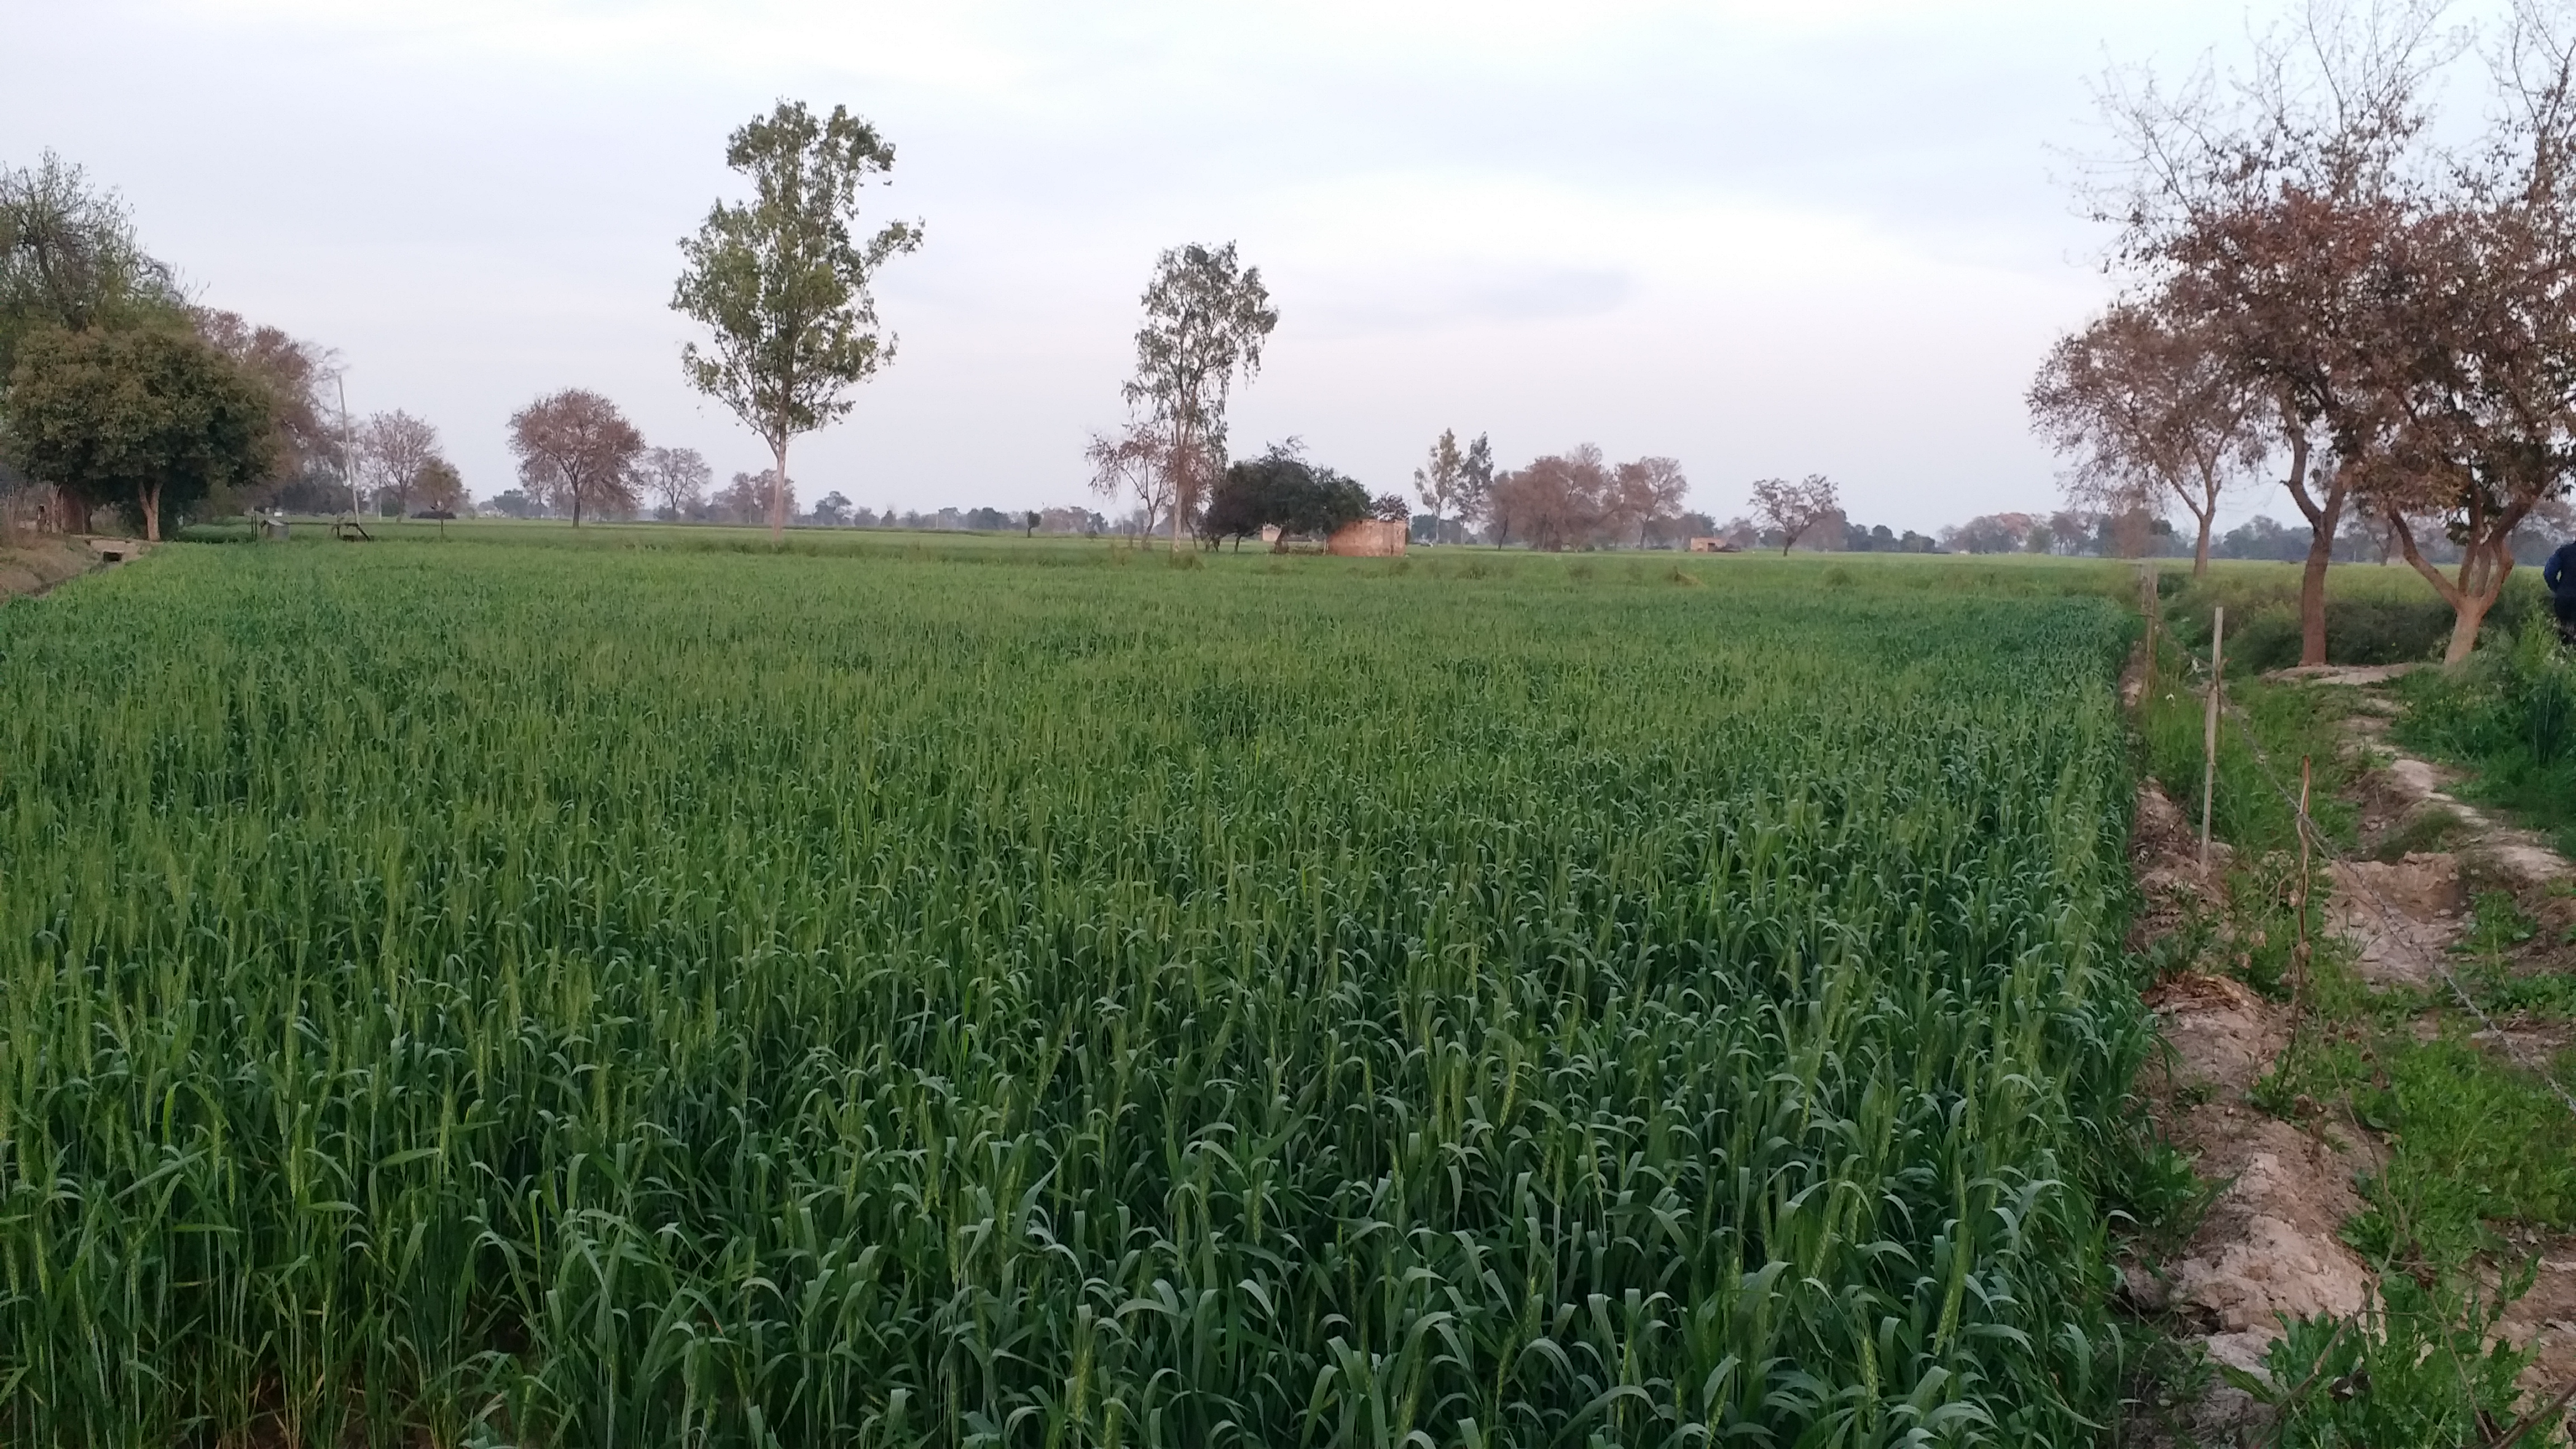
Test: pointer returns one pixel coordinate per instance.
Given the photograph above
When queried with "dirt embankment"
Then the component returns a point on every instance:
(2271, 1243)
(37, 562)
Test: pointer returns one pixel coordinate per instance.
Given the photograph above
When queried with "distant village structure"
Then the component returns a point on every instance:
(1369, 538)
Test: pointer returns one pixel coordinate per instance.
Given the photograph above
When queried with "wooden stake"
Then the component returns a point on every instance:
(2299, 956)
(2209, 732)
(2147, 605)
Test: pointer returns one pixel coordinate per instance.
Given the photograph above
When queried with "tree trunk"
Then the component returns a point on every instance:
(2324, 515)
(2471, 616)
(2312, 597)
(2484, 562)
(152, 514)
(778, 495)
(1180, 495)
(2200, 549)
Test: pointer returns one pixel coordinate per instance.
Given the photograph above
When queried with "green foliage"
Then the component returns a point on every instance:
(2414, 1369)
(781, 281)
(153, 417)
(2477, 1140)
(2509, 713)
(69, 260)
(2373, 615)
(2260, 745)
(600, 996)
(1280, 488)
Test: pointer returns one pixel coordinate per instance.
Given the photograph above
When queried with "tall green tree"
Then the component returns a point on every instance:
(781, 282)
(1476, 482)
(152, 416)
(1437, 481)
(69, 259)
(1205, 318)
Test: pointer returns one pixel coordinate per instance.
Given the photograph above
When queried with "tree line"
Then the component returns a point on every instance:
(118, 391)
(2331, 285)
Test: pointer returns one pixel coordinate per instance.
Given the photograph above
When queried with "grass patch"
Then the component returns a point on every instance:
(2508, 715)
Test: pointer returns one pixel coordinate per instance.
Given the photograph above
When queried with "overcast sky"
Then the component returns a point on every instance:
(1767, 237)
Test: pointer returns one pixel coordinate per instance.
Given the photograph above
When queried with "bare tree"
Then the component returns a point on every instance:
(392, 449)
(1130, 464)
(2150, 404)
(577, 452)
(677, 476)
(1791, 509)
(1205, 319)
(782, 282)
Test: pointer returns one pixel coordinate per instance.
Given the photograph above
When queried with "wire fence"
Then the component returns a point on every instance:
(2396, 922)
(2354, 883)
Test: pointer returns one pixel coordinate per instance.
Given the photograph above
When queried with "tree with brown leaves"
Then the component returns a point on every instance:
(2270, 206)
(306, 447)
(1791, 510)
(1647, 494)
(392, 449)
(2151, 406)
(1555, 501)
(577, 452)
(2482, 379)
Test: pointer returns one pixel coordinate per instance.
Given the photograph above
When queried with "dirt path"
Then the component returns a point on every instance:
(2271, 1244)
(2404, 918)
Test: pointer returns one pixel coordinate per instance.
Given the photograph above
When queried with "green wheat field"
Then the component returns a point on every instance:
(483, 991)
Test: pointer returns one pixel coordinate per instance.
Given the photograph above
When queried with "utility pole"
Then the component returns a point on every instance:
(348, 448)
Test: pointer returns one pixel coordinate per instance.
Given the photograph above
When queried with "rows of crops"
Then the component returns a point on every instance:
(455, 994)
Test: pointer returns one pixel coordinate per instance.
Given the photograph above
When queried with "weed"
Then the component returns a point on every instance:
(2415, 1368)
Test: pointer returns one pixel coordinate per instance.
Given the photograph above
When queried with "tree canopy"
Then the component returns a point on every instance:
(69, 260)
(1281, 489)
(1206, 316)
(781, 282)
(154, 417)
(577, 453)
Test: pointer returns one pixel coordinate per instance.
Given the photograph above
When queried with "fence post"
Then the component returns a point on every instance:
(2151, 606)
(2209, 732)
(2299, 955)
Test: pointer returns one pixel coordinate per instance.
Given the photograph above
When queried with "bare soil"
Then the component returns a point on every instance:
(2268, 1246)
(39, 561)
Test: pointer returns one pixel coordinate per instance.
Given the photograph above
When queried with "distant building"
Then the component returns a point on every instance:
(1714, 545)
(1369, 538)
